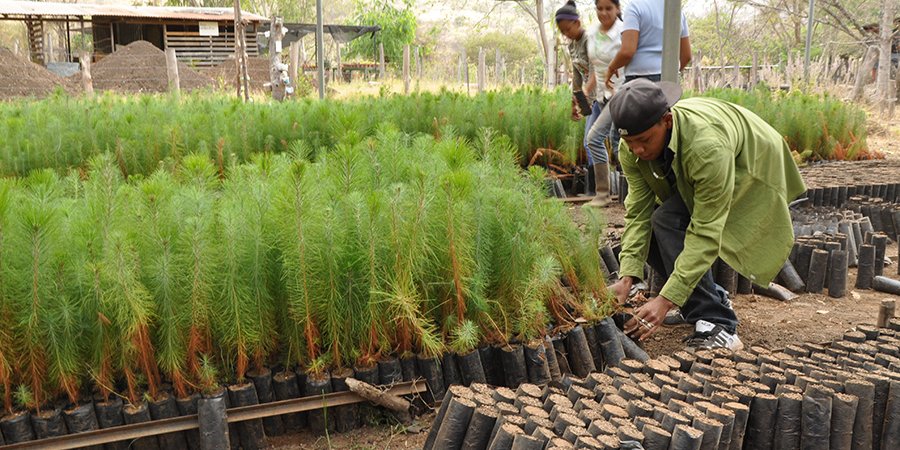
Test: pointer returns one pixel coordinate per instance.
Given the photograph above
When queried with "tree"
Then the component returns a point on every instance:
(398, 27)
(517, 48)
(547, 40)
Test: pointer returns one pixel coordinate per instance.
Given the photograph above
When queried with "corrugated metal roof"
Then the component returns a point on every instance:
(47, 9)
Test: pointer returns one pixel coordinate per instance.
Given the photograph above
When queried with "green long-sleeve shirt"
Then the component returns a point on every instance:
(736, 176)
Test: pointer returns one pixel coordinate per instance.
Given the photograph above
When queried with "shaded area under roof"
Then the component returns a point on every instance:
(340, 33)
(14, 9)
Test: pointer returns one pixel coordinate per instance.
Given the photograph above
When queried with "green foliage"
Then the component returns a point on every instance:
(398, 28)
(517, 49)
(389, 244)
(815, 126)
(62, 132)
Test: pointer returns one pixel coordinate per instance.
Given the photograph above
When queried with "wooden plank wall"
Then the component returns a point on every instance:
(207, 51)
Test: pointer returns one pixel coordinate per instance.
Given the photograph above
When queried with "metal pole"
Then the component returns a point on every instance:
(320, 49)
(809, 30)
(671, 40)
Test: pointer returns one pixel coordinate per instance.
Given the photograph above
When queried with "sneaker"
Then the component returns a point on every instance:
(674, 317)
(709, 336)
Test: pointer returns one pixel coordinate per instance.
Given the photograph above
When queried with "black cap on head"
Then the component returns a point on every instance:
(640, 103)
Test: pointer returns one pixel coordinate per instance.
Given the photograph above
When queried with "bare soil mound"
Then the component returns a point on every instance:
(141, 67)
(257, 67)
(22, 78)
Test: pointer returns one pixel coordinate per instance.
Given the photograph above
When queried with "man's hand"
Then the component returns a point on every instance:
(609, 75)
(648, 317)
(621, 289)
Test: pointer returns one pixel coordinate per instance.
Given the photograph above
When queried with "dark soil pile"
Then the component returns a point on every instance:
(22, 78)
(141, 67)
(257, 67)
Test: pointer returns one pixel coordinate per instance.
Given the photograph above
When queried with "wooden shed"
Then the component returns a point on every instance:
(201, 37)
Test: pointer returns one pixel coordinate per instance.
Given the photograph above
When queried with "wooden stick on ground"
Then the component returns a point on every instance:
(371, 393)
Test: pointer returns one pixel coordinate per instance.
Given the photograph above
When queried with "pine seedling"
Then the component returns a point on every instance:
(36, 245)
(159, 229)
(408, 208)
(296, 212)
(196, 254)
(25, 398)
(207, 376)
(244, 314)
(372, 231)
(7, 199)
(132, 313)
(465, 337)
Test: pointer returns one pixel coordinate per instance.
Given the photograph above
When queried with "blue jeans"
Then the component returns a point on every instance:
(595, 138)
(709, 301)
(588, 123)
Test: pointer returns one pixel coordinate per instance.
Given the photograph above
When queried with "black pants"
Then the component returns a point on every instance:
(709, 301)
(655, 77)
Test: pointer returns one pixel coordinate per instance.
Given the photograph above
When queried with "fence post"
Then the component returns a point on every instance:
(496, 66)
(380, 60)
(172, 71)
(275, 81)
(754, 71)
(406, 69)
(86, 80)
(418, 64)
(340, 64)
(696, 75)
(294, 54)
(481, 70)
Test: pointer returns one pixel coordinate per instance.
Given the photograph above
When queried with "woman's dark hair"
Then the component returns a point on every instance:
(567, 12)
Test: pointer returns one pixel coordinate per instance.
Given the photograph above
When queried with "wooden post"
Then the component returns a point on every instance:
(380, 60)
(883, 89)
(418, 64)
(496, 66)
(276, 34)
(86, 80)
(340, 64)
(294, 63)
(463, 66)
(240, 53)
(737, 76)
(302, 54)
(406, 69)
(754, 71)
(886, 312)
(172, 71)
(696, 75)
(521, 75)
(481, 70)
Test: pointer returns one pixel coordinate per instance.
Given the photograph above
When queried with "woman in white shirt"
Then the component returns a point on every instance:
(602, 48)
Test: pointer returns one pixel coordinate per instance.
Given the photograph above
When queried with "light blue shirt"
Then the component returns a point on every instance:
(646, 16)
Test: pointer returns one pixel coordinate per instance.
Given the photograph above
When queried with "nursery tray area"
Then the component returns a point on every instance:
(842, 395)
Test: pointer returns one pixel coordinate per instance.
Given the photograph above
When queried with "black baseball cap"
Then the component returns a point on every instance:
(640, 103)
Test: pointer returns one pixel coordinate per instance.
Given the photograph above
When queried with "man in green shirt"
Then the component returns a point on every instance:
(706, 179)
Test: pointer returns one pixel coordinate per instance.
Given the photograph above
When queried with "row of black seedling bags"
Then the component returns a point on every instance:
(581, 350)
(842, 396)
